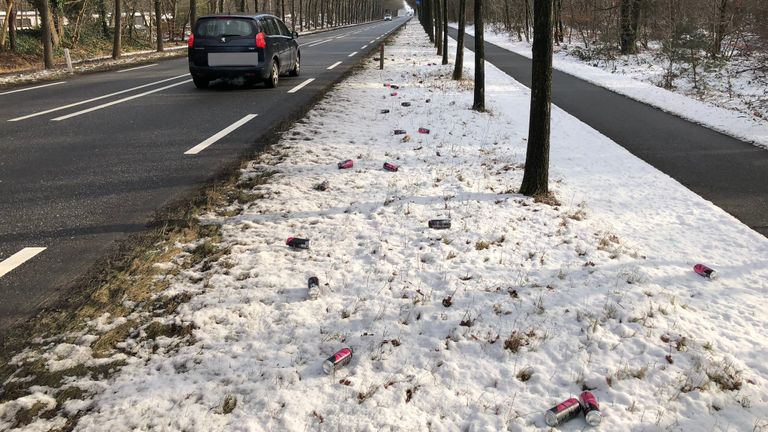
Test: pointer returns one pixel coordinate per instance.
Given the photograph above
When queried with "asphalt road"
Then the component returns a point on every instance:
(726, 171)
(74, 185)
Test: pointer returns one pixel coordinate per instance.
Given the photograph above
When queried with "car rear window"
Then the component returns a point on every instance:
(232, 27)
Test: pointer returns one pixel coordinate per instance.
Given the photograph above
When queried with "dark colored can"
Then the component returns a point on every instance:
(440, 223)
(313, 287)
(346, 164)
(393, 94)
(393, 86)
(705, 271)
(385, 111)
(399, 132)
(298, 243)
(405, 104)
(591, 408)
(423, 130)
(562, 412)
(429, 100)
(390, 167)
(337, 361)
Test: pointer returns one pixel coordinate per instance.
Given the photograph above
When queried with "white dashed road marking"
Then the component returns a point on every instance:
(334, 65)
(205, 144)
(18, 259)
(301, 86)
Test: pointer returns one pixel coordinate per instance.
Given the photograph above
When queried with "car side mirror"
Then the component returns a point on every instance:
(295, 34)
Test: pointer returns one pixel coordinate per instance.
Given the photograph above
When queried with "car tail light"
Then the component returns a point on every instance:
(191, 41)
(260, 41)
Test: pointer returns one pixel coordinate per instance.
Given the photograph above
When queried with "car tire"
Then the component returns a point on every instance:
(274, 75)
(200, 83)
(297, 67)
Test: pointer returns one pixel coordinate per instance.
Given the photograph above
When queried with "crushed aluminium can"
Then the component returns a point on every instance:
(337, 361)
(440, 223)
(399, 132)
(391, 167)
(313, 287)
(297, 243)
(423, 130)
(591, 408)
(405, 104)
(563, 412)
(346, 164)
(385, 111)
(705, 271)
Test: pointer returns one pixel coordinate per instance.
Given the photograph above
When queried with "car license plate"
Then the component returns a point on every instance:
(233, 59)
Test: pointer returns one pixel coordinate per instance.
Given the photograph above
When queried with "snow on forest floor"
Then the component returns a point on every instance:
(481, 327)
(724, 99)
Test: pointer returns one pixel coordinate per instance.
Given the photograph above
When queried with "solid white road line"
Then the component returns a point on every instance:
(203, 145)
(301, 86)
(32, 88)
(109, 104)
(18, 259)
(353, 54)
(136, 68)
(94, 99)
(334, 65)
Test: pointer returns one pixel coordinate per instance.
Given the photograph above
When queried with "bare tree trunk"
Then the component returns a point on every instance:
(536, 176)
(45, 22)
(720, 27)
(527, 21)
(438, 27)
(445, 32)
(159, 25)
(479, 100)
(117, 41)
(4, 30)
(458, 69)
(193, 14)
(12, 29)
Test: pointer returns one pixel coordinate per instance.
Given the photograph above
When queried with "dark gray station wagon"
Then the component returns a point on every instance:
(257, 48)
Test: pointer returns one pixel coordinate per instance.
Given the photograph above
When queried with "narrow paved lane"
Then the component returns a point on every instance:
(730, 173)
(86, 162)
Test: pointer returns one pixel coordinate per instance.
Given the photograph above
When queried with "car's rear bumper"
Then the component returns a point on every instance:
(211, 73)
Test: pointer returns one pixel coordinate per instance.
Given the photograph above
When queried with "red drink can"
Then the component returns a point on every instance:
(391, 167)
(562, 412)
(337, 361)
(591, 408)
(393, 94)
(705, 271)
(423, 130)
(297, 243)
(346, 164)
(387, 84)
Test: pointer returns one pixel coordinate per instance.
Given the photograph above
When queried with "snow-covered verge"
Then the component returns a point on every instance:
(734, 104)
(483, 326)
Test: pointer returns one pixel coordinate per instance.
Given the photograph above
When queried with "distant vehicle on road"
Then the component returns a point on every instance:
(257, 48)
(388, 17)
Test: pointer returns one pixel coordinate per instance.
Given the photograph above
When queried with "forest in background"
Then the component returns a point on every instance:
(87, 27)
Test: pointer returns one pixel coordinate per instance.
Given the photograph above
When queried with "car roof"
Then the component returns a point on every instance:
(237, 16)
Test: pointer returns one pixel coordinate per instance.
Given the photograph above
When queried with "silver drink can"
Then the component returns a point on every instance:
(337, 361)
(562, 412)
(591, 408)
